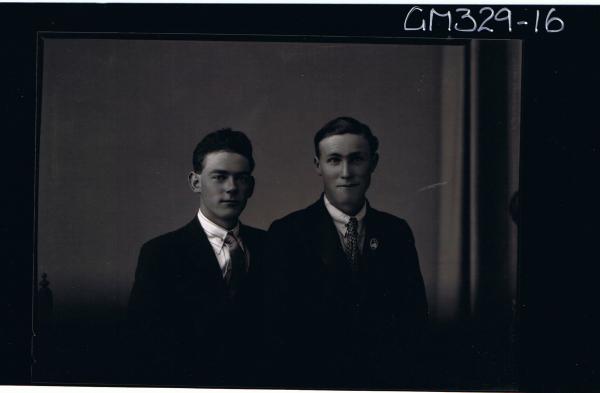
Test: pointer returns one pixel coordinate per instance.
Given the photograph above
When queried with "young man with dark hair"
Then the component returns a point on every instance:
(346, 300)
(194, 309)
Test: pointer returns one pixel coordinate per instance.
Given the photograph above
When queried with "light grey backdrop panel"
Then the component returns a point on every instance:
(120, 119)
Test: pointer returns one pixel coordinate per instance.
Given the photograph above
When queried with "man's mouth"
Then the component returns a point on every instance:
(351, 185)
(230, 202)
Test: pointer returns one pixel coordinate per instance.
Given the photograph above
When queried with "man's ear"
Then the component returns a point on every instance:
(317, 165)
(374, 161)
(194, 181)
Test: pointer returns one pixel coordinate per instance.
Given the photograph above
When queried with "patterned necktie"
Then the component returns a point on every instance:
(237, 266)
(351, 242)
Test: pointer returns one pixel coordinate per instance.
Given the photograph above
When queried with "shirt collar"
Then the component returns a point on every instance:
(216, 234)
(341, 218)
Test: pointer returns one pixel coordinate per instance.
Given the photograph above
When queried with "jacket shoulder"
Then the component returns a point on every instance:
(294, 220)
(391, 223)
(291, 217)
(256, 232)
(164, 240)
(255, 236)
(387, 217)
(160, 252)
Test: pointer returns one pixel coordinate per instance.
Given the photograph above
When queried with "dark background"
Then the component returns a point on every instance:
(120, 118)
(556, 335)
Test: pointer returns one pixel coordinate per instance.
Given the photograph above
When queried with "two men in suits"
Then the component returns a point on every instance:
(346, 300)
(194, 310)
(335, 301)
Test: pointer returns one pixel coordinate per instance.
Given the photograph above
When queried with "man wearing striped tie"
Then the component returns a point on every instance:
(345, 295)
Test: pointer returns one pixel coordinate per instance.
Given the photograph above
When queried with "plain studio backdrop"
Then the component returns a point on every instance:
(120, 118)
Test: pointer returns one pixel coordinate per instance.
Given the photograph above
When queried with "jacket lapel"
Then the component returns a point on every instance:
(327, 241)
(249, 250)
(201, 258)
(339, 283)
(374, 238)
(324, 239)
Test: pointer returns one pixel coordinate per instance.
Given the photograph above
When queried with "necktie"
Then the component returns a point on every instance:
(237, 267)
(351, 242)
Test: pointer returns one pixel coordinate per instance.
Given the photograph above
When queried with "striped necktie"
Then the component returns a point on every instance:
(351, 242)
(237, 267)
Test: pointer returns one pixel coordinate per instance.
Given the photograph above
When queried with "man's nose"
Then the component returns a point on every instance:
(230, 184)
(345, 170)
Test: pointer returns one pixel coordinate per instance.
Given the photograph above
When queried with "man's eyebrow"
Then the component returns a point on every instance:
(351, 154)
(357, 153)
(224, 172)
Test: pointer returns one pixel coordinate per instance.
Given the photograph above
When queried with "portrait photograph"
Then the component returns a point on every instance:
(338, 197)
(119, 120)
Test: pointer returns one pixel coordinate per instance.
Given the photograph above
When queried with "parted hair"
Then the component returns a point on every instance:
(346, 125)
(224, 139)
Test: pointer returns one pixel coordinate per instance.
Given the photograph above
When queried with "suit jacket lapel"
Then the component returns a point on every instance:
(340, 282)
(331, 251)
(373, 237)
(201, 256)
(248, 242)
(326, 238)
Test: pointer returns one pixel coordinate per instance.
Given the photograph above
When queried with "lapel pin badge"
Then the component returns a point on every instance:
(373, 244)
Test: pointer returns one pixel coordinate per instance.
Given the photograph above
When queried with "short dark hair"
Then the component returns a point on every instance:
(346, 125)
(224, 139)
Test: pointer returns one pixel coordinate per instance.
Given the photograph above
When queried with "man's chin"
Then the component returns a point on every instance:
(231, 212)
(348, 203)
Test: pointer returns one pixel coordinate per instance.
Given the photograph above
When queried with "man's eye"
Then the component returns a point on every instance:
(358, 159)
(243, 179)
(219, 177)
(333, 160)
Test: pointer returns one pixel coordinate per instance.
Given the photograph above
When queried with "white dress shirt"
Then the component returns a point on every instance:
(216, 237)
(340, 219)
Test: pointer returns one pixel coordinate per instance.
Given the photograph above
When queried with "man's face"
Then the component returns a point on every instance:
(345, 163)
(225, 184)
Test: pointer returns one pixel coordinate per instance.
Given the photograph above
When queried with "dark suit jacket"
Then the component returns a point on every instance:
(330, 326)
(185, 328)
